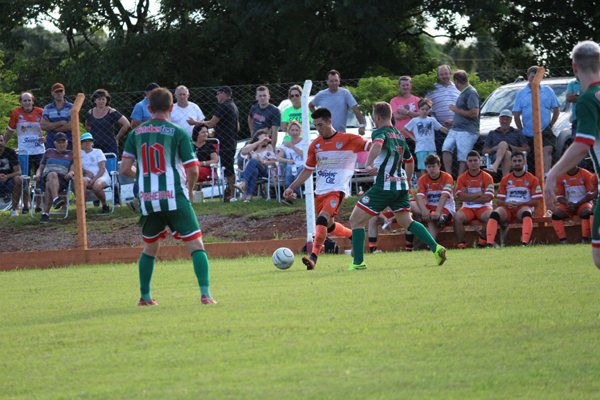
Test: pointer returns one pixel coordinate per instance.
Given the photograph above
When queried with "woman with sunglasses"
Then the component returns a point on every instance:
(293, 112)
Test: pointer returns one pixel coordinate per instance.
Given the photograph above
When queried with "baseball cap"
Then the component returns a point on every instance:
(151, 86)
(58, 86)
(60, 136)
(225, 89)
(506, 113)
(86, 136)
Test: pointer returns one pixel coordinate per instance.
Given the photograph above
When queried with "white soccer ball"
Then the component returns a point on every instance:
(283, 258)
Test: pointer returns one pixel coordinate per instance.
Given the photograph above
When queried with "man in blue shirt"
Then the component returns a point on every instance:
(140, 111)
(57, 117)
(549, 109)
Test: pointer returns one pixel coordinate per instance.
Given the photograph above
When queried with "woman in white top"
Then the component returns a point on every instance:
(260, 155)
(291, 150)
(95, 175)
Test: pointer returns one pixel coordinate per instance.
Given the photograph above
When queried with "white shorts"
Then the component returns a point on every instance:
(463, 141)
(105, 178)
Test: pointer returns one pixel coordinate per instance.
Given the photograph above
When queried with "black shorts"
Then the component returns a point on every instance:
(227, 161)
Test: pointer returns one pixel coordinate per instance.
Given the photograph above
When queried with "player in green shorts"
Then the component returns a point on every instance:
(165, 156)
(586, 66)
(385, 162)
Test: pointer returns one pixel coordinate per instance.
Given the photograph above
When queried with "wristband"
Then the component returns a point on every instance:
(361, 125)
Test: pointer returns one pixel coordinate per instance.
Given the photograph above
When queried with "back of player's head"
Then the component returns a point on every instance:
(321, 113)
(517, 154)
(474, 153)
(160, 100)
(262, 89)
(461, 77)
(425, 102)
(586, 55)
(383, 110)
(264, 131)
(432, 159)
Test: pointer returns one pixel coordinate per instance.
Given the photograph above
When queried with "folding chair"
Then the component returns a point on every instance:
(261, 182)
(216, 174)
(37, 192)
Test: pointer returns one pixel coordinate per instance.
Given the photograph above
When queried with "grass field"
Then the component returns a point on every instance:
(517, 323)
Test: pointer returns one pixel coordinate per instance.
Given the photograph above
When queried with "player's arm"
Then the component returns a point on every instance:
(440, 208)
(8, 135)
(373, 153)
(410, 170)
(303, 177)
(575, 153)
(127, 167)
(423, 207)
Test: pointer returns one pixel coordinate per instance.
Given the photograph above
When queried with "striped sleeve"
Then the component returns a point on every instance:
(537, 192)
(560, 188)
(459, 184)
(488, 183)
(502, 189)
(448, 185)
(311, 159)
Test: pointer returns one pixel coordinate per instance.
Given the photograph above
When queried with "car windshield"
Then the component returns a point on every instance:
(504, 98)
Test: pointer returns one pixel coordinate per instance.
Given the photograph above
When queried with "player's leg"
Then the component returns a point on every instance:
(405, 220)
(498, 216)
(484, 217)
(524, 214)
(153, 229)
(409, 236)
(460, 219)
(374, 224)
(596, 236)
(358, 219)
(585, 212)
(559, 227)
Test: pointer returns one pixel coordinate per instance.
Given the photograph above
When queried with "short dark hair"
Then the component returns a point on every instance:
(383, 110)
(160, 100)
(264, 131)
(474, 153)
(196, 131)
(517, 154)
(461, 76)
(425, 101)
(334, 72)
(100, 93)
(322, 113)
(533, 69)
(432, 159)
(29, 93)
(262, 89)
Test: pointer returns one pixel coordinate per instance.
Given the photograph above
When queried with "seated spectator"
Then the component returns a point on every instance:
(54, 174)
(10, 175)
(574, 192)
(422, 130)
(293, 112)
(260, 155)
(291, 150)
(475, 188)
(100, 121)
(435, 196)
(503, 142)
(95, 175)
(205, 152)
(519, 193)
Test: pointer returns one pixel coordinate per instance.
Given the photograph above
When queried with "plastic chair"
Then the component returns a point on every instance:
(113, 188)
(216, 173)
(37, 192)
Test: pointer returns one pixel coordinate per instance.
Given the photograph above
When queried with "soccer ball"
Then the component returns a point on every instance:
(283, 258)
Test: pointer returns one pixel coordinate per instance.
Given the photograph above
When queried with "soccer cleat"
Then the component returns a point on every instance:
(462, 246)
(563, 241)
(355, 267)
(207, 300)
(45, 219)
(143, 302)
(440, 254)
(14, 213)
(309, 262)
(58, 203)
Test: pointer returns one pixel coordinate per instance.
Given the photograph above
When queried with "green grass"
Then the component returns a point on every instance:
(517, 323)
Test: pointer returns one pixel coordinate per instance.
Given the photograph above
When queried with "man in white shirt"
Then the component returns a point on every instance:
(185, 113)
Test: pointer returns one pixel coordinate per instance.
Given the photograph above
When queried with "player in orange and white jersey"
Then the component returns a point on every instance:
(475, 188)
(435, 197)
(333, 156)
(574, 192)
(519, 192)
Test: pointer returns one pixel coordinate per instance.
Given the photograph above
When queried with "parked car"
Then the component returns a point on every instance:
(504, 98)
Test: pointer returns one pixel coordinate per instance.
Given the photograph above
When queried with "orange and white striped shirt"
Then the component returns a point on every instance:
(483, 182)
(334, 159)
(519, 188)
(575, 187)
(432, 190)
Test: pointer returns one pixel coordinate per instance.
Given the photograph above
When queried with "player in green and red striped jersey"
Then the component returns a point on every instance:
(164, 157)
(586, 66)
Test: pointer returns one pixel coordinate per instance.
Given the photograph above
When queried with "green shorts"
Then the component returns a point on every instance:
(376, 200)
(596, 227)
(183, 224)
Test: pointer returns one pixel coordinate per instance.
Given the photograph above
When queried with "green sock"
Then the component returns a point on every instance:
(422, 233)
(146, 267)
(200, 261)
(358, 245)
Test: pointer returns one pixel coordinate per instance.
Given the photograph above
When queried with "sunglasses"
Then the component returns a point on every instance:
(294, 95)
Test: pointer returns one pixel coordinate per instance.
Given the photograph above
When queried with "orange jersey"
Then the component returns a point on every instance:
(575, 187)
(483, 182)
(432, 190)
(522, 188)
(334, 159)
(28, 129)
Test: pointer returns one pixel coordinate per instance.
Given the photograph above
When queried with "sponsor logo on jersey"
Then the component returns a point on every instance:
(162, 195)
(329, 176)
(163, 130)
(581, 181)
(526, 183)
(519, 194)
(318, 145)
(433, 198)
(448, 186)
(392, 178)
(333, 203)
(393, 135)
(37, 118)
(329, 161)
(366, 199)
(538, 189)
(20, 117)
(490, 187)
(338, 145)
(509, 182)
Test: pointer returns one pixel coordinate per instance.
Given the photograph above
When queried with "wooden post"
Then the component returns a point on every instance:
(538, 143)
(79, 189)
